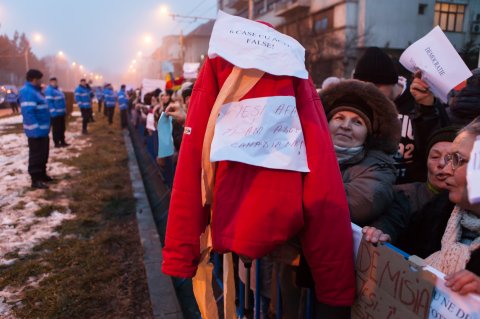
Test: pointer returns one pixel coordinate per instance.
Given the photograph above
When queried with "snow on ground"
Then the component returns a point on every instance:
(20, 229)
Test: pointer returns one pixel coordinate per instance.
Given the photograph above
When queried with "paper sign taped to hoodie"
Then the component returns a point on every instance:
(253, 45)
(263, 132)
(442, 68)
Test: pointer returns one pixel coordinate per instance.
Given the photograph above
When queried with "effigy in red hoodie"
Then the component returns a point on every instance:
(258, 206)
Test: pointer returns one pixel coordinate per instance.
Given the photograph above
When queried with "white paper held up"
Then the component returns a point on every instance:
(253, 45)
(442, 68)
(263, 132)
(473, 174)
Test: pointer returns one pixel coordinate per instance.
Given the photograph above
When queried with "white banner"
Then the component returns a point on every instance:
(149, 85)
(253, 45)
(442, 68)
(190, 70)
(263, 132)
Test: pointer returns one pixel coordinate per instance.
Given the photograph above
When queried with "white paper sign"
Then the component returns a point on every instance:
(441, 66)
(190, 70)
(449, 304)
(473, 174)
(149, 85)
(262, 132)
(253, 45)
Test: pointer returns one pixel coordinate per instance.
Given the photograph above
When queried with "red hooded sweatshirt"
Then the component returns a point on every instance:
(255, 209)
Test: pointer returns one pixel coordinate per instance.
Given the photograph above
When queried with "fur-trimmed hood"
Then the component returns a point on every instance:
(386, 127)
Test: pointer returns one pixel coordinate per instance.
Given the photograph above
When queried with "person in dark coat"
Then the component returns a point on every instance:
(418, 120)
(454, 244)
(365, 131)
(419, 204)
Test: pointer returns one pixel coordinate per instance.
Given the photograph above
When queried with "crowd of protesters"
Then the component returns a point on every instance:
(400, 152)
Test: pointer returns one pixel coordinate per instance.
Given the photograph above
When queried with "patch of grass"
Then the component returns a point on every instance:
(47, 210)
(95, 265)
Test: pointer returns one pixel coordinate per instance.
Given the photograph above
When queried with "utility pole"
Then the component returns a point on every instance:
(250, 9)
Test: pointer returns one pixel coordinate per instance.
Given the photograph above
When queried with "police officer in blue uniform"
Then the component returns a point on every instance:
(57, 106)
(36, 124)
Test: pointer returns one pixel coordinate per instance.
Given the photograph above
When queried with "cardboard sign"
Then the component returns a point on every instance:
(442, 68)
(253, 45)
(263, 132)
(389, 286)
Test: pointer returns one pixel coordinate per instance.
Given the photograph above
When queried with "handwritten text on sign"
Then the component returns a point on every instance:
(441, 66)
(387, 286)
(263, 132)
(253, 45)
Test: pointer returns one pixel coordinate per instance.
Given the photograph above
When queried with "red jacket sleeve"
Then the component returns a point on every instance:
(327, 240)
(187, 217)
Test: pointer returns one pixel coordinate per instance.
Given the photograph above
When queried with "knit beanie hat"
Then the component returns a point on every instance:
(355, 104)
(445, 134)
(375, 66)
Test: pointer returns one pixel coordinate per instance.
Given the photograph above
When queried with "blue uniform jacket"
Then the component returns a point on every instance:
(110, 98)
(36, 116)
(55, 100)
(11, 97)
(82, 97)
(99, 94)
(122, 100)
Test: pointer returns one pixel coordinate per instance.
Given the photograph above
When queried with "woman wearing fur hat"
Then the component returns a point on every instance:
(365, 131)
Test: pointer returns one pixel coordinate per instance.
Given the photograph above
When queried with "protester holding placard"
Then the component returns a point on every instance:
(459, 253)
(420, 204)
(365, 132)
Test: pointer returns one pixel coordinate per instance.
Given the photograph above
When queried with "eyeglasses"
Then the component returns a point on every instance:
(456, 159)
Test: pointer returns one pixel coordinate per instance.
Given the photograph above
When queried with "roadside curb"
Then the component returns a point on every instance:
(162, 293)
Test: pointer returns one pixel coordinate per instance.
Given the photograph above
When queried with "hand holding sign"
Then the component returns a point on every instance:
(441, 66)
(420, 90)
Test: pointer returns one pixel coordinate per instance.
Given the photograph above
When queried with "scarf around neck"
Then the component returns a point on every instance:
(455, 255)
(346, 153)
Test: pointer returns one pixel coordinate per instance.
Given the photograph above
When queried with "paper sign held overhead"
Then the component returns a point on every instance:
(263, 132)
(253, 45)
(442, 68)
(149, 85)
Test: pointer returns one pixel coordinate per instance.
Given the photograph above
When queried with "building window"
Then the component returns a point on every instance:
(322, 22)
(449, 16)
(421, 8)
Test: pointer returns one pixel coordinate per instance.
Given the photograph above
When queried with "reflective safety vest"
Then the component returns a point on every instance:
(55, 101)
(82, 97)
(110, 97)
(36, 116)
(122, 100)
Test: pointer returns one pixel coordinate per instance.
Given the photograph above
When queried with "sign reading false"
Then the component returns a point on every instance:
(442, 68)
(263, 132)
(253, 45)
